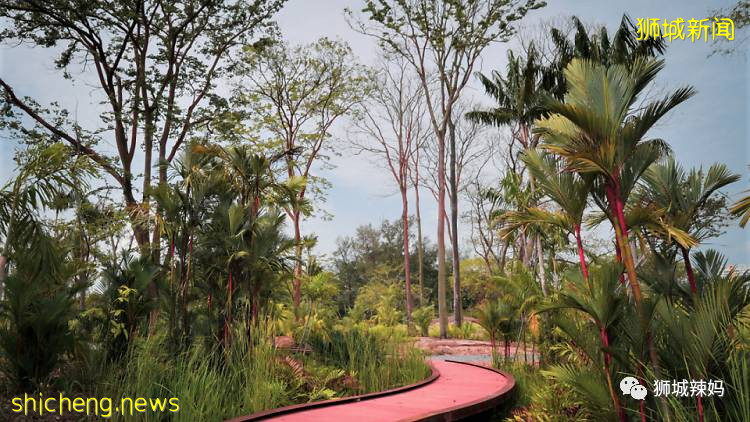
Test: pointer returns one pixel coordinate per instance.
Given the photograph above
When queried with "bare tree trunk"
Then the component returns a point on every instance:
(540, 263)
(454, 229)
(525, 249)
(503, 256)
(581, 253)
(3, 274)
(297, 294)
(407, 266)
(420, 243)
(82, 296)
(442, 308)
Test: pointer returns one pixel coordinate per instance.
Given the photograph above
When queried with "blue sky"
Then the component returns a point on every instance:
(712, 126)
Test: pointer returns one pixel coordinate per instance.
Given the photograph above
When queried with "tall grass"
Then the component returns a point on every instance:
(377, 361)
(209, 384)
(252, 375)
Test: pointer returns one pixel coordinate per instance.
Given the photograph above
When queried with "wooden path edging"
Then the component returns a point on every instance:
(458, 412)
(465, 410)
(435, 374)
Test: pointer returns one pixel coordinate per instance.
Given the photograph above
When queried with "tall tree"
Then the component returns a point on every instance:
(415, 181)
(153, 64)
(391, 124)
(443, 39)
(469, 152)
(297, 94)
(519, 94)
(485, 203)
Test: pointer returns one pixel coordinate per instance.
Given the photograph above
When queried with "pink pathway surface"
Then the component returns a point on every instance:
(458, 386)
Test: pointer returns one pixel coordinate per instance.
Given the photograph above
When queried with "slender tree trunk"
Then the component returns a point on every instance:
(581, 254)
(228, 317)
(82, 281)
(503, 256)
(297, 294)
(155, 239)
(607, 362)
(520, 339)
(184, 286)
(540, 264)
(454, 229)
(420, 242)
(493, 346)
(442, 308)
(525, 250)
(3, 274)
(621, 236)
(689, 271)
(525, 356)
(407, 263)
(615, 225)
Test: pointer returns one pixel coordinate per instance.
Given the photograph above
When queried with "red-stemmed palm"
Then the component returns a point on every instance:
(599, 128)
(682, 195)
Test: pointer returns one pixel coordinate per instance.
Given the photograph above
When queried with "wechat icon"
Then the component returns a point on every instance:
(631, 387)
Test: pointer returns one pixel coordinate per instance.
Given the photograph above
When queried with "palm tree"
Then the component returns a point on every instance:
(622, 47)
(518, 94)
(47, 174)
(496, 317)
(706, 333)
(683, 195)
(182, 206)
(742, 209)
(601, 302)
(260, 252)
(248, 224)
(598, 130)
(523, 294)
(568, 190)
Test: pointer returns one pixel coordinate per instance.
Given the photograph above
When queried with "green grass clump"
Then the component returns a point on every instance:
(376, 359)
(210, 384)
(251, 375)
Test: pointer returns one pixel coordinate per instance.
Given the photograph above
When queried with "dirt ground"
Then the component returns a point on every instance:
(436, 346)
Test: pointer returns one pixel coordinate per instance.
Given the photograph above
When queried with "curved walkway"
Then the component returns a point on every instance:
(456, 390)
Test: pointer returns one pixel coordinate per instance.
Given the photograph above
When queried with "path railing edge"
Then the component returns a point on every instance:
(435, 374)
(472, 408)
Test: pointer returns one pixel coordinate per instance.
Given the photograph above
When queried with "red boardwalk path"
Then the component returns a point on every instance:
(456, 390)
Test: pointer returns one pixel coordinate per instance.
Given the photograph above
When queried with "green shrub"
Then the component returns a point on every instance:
(36, 334)
(423, 317)
(539, 398)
